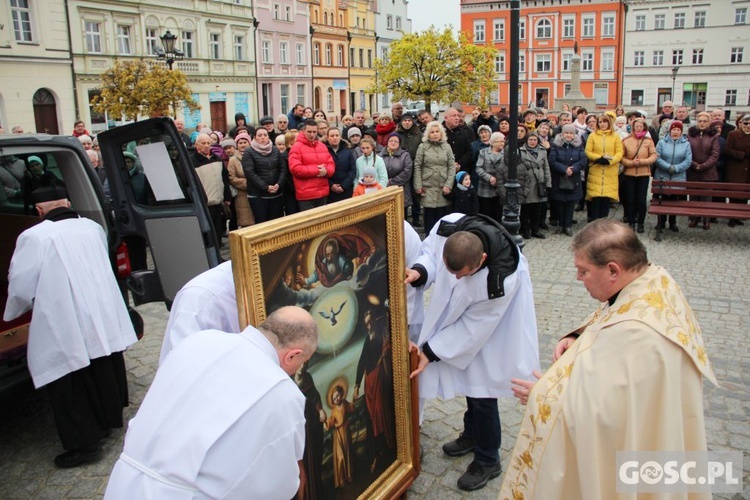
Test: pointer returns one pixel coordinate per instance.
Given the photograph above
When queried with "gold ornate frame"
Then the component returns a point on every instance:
(247, 247)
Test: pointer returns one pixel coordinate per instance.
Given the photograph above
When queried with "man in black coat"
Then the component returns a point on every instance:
(460, 136)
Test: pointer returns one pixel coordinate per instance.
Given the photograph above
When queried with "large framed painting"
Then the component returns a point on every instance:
(344, 263)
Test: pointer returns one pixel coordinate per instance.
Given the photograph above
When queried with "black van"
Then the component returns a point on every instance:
(153, 213)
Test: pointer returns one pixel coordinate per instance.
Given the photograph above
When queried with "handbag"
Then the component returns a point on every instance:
(567, 184)
(541, 190)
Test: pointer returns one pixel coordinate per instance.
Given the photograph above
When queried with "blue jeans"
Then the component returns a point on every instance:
(482, 423)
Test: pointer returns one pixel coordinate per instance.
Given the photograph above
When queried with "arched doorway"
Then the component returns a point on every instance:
(45, 112)
(318, 98)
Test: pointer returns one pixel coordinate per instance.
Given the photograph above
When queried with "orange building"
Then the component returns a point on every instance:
(549, 30)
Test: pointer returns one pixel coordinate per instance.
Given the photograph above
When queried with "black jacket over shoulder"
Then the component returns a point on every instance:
(502, 253)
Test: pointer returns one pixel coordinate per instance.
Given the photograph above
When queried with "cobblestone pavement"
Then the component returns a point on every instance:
(713, 267)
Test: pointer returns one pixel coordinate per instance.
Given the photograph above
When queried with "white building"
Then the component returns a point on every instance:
(391, 23)
(698, 47)
(52, 53)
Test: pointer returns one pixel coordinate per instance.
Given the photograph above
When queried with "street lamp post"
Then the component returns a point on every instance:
(675, 69)
(169, 53)
(512, 207)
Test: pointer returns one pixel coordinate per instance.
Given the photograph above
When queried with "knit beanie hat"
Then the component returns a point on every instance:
(228, 142)
(569, 127)
(353, 131)
(369, 171)
(242, 134)
(484, 127)
(675, 124)
(460, 176)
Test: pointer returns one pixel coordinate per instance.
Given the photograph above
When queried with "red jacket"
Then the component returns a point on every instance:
(304, 158)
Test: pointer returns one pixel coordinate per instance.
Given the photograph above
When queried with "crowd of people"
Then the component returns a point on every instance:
(568, 162)
(571, 161)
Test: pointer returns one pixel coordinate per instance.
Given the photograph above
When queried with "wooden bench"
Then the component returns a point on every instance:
(694, 207)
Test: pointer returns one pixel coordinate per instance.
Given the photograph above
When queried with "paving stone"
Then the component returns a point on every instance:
(719, 293)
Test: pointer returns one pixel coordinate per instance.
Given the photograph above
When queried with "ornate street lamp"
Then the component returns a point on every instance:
(675, 69)
(169, 53)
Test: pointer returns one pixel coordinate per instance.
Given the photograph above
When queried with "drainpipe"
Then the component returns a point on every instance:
(72, 63)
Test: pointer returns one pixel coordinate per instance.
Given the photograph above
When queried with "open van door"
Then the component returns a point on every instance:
(159, 205)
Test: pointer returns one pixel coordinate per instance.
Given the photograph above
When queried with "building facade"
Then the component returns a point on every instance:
(361, 22)
(330, 48)
(549, 33)
(391, 23)
(36, 89)
(216, 38)
(692, 53)
(283, 47)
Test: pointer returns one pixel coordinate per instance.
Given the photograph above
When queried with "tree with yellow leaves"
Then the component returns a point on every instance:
(136, 88)
(435, 66)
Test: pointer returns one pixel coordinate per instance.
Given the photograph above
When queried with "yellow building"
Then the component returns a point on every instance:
(361, 23)
(329, 57)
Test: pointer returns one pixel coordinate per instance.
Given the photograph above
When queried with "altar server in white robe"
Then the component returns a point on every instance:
(479, 330)
(414, 295)
(206, 302)
(79, 327)
(223, 418)
(630, 378)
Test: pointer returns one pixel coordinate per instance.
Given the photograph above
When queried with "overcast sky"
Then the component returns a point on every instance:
(423, 13)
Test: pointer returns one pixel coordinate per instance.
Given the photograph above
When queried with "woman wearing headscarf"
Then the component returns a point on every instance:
(567, 160)
(265, 174)
(434, 174)
(239, 181)
(536, 184)
(604, 152)
(639, 153)
(399, 166)
(384, 127)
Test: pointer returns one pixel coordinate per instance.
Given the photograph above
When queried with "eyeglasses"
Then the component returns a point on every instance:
(746, 123)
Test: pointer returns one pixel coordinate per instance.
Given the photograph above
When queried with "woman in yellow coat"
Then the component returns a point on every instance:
(604, 151)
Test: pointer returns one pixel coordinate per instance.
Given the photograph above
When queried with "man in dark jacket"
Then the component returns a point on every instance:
(296, 118)
(460, 137)
(485, 118)
(240, 122)
(726, 127)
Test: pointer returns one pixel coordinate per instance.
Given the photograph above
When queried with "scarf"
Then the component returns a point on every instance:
(640, 135)
(385, 129)
(264, 150)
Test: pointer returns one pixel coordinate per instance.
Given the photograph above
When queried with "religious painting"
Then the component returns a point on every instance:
(344, 263)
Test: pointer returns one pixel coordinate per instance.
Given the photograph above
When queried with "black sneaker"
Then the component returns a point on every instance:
(74, 458)
(460, 446)
(477, 476)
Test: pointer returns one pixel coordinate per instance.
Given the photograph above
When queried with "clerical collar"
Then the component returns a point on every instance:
(61, 213)
(613, 298)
